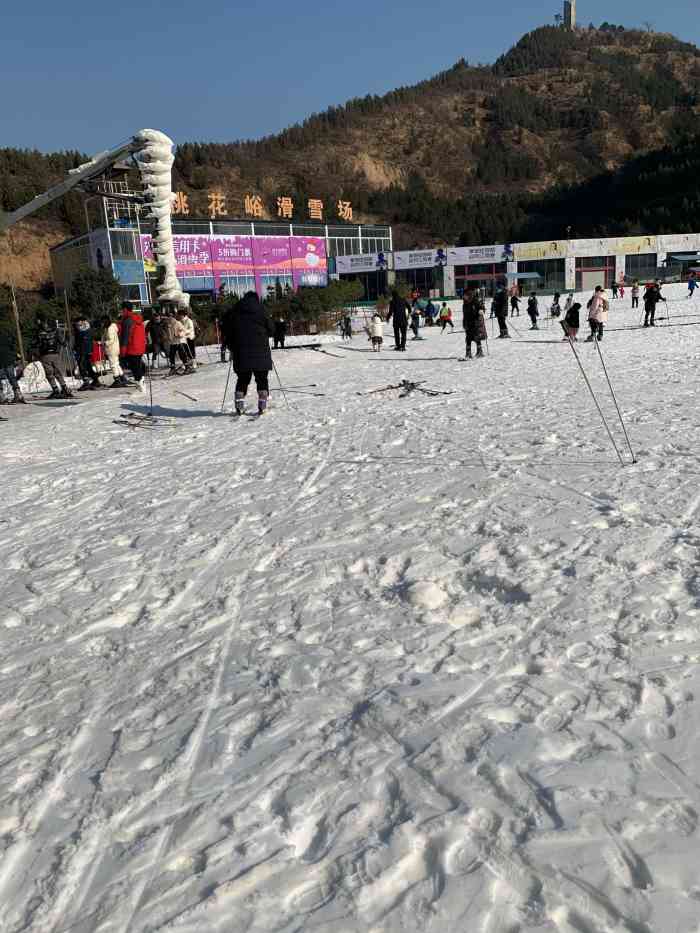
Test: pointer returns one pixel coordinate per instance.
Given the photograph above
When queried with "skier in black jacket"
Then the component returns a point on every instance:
(399, 310)
(280, 333)
(500, 310)
(82, 334)
(652, 296)
(48, 345)
(248, 332)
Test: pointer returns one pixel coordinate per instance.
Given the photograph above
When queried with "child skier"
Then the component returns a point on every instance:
(446, 317)
(533, 310)
(376, 332)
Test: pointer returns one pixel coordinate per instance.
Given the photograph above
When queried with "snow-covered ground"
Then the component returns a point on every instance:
(371, 665)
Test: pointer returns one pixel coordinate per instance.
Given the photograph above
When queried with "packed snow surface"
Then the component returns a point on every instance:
(369, 665)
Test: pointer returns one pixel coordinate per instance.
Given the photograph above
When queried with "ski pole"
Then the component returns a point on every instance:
(284, 394)
(228, 379)
(614, 397)
(150, 387)
(597, 405)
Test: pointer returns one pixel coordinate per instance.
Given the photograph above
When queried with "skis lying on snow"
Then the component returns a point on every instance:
(134, 419)
(406, 388)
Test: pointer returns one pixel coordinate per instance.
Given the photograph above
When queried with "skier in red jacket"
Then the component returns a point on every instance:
(132, 341)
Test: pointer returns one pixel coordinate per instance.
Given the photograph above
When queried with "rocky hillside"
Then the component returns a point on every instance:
(468, 154)
(557, 109)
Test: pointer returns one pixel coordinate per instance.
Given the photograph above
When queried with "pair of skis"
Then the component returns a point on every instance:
(407, 387)
(135, 419)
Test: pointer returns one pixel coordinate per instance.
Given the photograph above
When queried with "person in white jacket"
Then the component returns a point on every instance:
(188, 324)
(110, 342)
(178, 346)
(597, 313)
(376, 332)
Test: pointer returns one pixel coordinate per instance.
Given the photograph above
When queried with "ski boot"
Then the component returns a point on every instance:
(86, 386)
(55, 392)
(262, 402)
(18, 399)
(479, 354)
(240, 405)
(65, 393)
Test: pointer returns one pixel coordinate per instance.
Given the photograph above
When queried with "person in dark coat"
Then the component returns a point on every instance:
(249, 329)
(280, 334)
(500, 311)
(514, 305)
(652, 296)
(49, 345)
(473, 323)
(572, 321)
(399, 310)
(10, 367)
(82, 335)
(533, 310)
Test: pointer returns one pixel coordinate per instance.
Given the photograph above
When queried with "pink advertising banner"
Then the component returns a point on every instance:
(192, 253)
(302, 258)
(309, 263)
(231, 254)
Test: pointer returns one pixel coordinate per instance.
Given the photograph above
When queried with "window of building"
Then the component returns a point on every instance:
(642, 266)
(238, 284)
(222, 229)
(552, 274)
(130, 292)
(123, 244)
(486, 275)
(423, 280)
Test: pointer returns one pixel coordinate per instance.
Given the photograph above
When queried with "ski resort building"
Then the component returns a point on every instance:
(212, 256)
(550, 266)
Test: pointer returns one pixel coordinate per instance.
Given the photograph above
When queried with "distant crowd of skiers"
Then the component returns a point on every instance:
(404, 314)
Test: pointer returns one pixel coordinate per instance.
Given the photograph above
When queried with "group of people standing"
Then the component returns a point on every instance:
(122, 342)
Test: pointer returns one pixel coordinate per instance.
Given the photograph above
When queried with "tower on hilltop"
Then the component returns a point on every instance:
(570, 14)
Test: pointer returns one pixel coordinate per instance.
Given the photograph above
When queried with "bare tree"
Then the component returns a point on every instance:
(648, 26)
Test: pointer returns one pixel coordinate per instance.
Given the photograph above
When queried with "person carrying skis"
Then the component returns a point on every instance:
(398, 311)
(652, 296)
(473, 323)
(446, 317)
(500, 311)
(110, 343)
(533, 310)
(280, 334)
(376, 332)
(132, 342)
(572, 321)
(82, 335)
(248, 338)
(514, 306)
(597, 314)
(49, 344)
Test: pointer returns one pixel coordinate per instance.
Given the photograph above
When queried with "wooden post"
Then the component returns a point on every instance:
(15, 312)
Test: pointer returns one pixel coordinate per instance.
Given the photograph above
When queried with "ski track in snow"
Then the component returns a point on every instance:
(370, 665)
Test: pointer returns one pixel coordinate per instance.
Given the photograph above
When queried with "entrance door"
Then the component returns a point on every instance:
(590, 279)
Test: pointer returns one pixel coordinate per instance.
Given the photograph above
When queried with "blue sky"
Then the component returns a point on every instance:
(87, 75)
